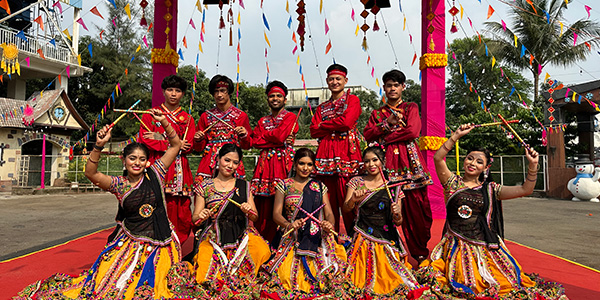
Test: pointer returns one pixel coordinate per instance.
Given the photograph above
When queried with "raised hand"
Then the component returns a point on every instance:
(464, 130)
(157, 114)
(103, 135)
(241, 131)
(199, 135)
(297, 224)
(532, 156)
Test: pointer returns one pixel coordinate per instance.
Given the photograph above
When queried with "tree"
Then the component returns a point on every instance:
(543, 37)
(464, 104)
(112, 55)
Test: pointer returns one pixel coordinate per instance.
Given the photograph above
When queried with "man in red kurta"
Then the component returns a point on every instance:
(274, 135)
(338, 154)
(223, 124)
(397, 126)
(179, 179)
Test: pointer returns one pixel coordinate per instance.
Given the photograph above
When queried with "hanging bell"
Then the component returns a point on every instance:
(221, 23)
(143, 21)
(375, 26)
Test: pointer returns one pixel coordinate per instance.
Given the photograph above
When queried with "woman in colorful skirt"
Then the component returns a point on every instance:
(140, 252)
(229, 250)
(377, 261)
(307, 256)
(472, 260)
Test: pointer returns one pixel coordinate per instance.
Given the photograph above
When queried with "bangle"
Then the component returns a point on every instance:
(453, 141)
(530, 180)
(444, 145)
(534, 171)
(99, 148)
(92, 161)
(172, 135)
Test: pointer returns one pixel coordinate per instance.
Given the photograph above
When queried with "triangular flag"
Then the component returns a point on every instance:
(113, 3)
(561, 28)
(574, 38)
(90, 49)
(21, 35)
(523, 50)
(95, 11)
(515, 36)
(265, 22)
(40, 22)
(192, 23)
(326, 26)
(198, 5)
(4, 5)
(101, 32)
(128, 11)
(59, 80)
(414, 59)
(184, 42)
(546, 77)
(267, 40)
(587, 9)
(328, 47)
(493, 61)
(200, 47)
(113, 21)
(138, 48)
(39, 51)
(53, 42)
(490, 11)
(66, 32)
(68, 69)
(79, 59)
(503, 25)
(27, 60)
(180, 53)
(80, 21)
(461, 11)
(145, 41)
(57, 3)
(539, 69)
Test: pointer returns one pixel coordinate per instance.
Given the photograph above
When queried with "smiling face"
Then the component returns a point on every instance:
(172, 96)
(336, 83)
(276, 101)
(372, 163)
(228, 164)
(304, 167)
(136, 162)
(475, 163)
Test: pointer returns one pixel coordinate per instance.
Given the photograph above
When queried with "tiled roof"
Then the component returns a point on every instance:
(11, 110)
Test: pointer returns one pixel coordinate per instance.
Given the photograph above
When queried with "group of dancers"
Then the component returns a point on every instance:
(309, 225)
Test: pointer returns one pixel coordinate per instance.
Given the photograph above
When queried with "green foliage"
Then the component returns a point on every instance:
(112, 55)
(463, 105)
(543, 38)
(253, 101)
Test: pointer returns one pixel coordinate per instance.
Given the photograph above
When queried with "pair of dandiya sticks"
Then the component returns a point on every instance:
(507, 124)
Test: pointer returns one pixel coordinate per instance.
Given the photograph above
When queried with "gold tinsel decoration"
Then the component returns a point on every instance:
(10, 63)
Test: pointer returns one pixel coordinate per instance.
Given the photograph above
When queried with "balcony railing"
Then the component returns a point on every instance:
(59, 53)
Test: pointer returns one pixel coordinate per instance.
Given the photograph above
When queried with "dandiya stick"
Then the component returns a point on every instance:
(495, 123)
(131, 111)
(218, 205)
(304, 220)
(514, 132)
(141, 122)
(240, 206)
(393, 110)
(220, 119)
(385, 183)
(312, 217)
(388, 186)
(215, 123)
(297, 118)
(124, 114)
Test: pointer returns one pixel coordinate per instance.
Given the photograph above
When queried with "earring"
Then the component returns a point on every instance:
(124, 167)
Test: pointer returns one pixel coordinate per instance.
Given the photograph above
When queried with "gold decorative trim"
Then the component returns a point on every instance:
(164, 56)
(433, 60)
(431, 142)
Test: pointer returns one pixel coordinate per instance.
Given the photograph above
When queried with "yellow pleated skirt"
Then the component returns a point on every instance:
(377, 267)
(474, 268)
(126, 268)
(211, 264)
(292, 272)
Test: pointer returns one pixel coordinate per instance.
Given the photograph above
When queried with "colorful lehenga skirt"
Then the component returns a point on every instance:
(127, 268)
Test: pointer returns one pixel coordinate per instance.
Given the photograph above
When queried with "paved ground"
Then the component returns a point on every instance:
(27, 223)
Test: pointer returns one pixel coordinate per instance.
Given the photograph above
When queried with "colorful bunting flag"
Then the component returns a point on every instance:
(587, 9)
(4, 5)
(41, 53)
(95, 11)
(57, 3)
(490, 11)
(66, 32)
(40, 22)
(22, 36)
(80, 21)
(90, 49)
(128, 11)
(192, 23)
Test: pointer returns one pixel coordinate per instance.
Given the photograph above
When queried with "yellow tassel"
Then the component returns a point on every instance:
(18, 68)
(364, 43)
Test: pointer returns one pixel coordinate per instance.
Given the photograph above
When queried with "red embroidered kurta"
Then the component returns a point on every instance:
(334, 125)
(179, 179)
(217, 136)
(276, 158)
(404, 160)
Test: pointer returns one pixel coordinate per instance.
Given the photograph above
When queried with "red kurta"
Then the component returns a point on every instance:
(276, 158)
(334, 125)
(217, 136)
(179, 179)
(403, 158)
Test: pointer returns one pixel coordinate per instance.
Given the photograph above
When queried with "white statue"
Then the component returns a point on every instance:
(585, 185)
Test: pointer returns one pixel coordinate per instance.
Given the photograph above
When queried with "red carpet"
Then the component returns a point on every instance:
(76, 255)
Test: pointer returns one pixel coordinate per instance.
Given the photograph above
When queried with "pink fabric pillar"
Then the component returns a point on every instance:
(160, 71)
(43, 185)
(433, 91)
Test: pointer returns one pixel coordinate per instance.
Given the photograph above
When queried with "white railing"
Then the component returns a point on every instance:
(9, 36)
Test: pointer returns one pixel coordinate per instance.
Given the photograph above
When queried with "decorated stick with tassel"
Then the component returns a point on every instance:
(304, 220)
(495, 123)
(514, 132)
(124, 114)
(131, 111)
